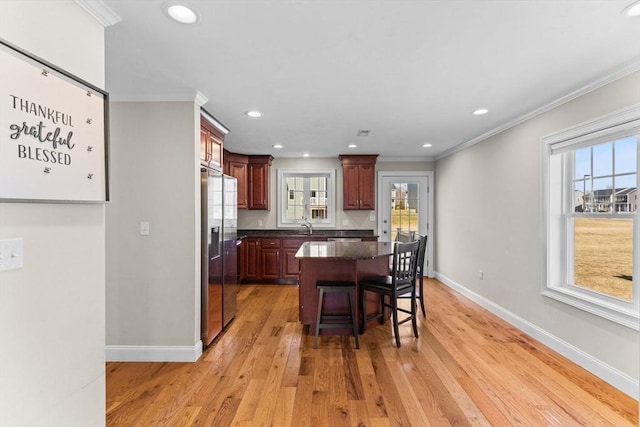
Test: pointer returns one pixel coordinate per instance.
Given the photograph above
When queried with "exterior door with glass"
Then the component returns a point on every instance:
(405, 205)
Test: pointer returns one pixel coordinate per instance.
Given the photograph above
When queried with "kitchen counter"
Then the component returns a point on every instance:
(301, 232)
(344, 250)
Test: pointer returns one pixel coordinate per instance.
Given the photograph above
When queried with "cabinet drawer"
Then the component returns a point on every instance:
(269, 243)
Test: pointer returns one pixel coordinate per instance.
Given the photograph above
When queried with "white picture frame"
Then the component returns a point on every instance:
(53, 133)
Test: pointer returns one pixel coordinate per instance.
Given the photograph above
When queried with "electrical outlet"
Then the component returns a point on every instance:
(260, 223)
(345, 222)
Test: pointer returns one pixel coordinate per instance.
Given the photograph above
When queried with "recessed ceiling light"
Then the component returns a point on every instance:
(305, 154)
(480, 111)
(427, 145)
(182, 13)
(254, 114)
(633, 9)
(278, 145)
(352, 146)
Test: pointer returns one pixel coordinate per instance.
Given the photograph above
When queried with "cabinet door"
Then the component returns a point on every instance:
(290, 265)
(239, 171)
(251, 259)
(366, 186)
(258, 186)
(242, 260)
(350, 187)
(215, 144)
(270, 263)
(211, 142)
(205, 155)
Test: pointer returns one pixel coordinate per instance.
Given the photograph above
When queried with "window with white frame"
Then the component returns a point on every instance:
(306, 195)
(590, 216)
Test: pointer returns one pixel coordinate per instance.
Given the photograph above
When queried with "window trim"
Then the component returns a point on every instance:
(282, 174)
(553, 252)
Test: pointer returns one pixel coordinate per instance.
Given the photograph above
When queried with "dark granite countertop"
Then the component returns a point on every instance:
(300, 232)
(344, 250)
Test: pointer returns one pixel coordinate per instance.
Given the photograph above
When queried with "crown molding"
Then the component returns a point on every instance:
(201, 99)
(597, 84)
(100, 11)
(183, 96)
(401, 159)
(215, 122)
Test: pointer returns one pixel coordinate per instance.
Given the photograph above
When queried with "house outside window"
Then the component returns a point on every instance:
(590, 215)
(306, 195)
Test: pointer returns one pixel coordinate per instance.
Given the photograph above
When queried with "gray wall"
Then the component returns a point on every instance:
(487, 218)
(52, 310)
(153, 282)
(358, 220)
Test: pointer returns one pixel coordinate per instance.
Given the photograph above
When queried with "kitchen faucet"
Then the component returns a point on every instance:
(307, 224)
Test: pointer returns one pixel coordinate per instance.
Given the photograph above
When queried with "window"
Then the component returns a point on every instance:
(590, 216)
(306, 195)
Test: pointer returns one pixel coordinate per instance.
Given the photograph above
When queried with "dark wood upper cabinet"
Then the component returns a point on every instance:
(358, 181)
(259, 174)
(211, 144)
(236, 165)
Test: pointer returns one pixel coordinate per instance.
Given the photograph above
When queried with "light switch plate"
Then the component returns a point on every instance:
(11, 254)
(144, 228)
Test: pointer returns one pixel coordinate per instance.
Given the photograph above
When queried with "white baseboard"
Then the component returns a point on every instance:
(151, 353)
(611, 375)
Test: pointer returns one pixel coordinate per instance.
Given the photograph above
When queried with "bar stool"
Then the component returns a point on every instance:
(401, 281)
(332, 321)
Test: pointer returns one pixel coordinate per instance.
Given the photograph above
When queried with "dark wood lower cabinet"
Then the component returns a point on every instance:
(260, 260)
(270, 264)
(272, 260)
(250, 259)
(290, 265)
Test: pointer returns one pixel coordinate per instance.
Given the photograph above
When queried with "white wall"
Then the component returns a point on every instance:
(153, 282)
(487, 218)
(52, 310)
(357, 220)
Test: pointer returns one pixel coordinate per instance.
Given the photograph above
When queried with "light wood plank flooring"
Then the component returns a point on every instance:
(467, 368)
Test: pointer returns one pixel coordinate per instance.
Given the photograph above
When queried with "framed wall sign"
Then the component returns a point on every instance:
(53, 133)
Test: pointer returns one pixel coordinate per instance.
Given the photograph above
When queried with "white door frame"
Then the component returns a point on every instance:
(383, 198)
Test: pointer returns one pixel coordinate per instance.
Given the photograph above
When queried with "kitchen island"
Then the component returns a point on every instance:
(349, 261)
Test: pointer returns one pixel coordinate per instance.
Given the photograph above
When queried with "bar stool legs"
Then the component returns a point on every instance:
(326, 321)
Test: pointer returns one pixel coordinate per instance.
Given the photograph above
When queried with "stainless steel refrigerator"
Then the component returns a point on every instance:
(220, 276)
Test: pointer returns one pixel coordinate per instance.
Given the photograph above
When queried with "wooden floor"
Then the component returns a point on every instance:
(467, 368)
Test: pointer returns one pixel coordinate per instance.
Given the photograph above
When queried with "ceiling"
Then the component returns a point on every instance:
(410, 72)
